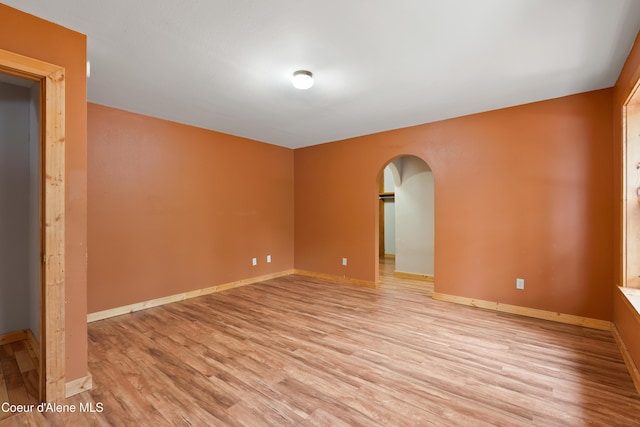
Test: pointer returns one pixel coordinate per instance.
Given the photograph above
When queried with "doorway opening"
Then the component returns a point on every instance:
(407, 218)
(49, 234)
(19, 240)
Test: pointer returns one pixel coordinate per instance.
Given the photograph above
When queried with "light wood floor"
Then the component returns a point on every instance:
(307, 352)
(18, 375)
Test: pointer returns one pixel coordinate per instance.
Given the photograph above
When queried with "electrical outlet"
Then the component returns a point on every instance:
(344, 261)
(519, 283)
(254, 261)
(268, 258)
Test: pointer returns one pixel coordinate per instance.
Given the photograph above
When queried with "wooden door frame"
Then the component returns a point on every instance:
(52, 217)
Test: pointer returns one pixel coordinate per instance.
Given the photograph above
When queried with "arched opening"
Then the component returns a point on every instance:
(407, 218)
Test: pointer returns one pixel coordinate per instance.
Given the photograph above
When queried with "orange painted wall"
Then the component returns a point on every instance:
(623, 316)
(173, 208)
(30, 36)
(519, 192)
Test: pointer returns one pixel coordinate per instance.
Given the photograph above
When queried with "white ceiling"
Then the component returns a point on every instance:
(378, 64)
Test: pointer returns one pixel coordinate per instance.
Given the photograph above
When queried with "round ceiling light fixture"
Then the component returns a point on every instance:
(302, 79)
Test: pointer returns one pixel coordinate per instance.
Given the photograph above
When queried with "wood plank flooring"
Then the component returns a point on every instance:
(18, 375)
(308, 352)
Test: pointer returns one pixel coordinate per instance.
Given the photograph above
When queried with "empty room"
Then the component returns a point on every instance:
(363, 213)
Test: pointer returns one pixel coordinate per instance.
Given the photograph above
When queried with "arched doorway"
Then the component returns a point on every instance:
(407, 217)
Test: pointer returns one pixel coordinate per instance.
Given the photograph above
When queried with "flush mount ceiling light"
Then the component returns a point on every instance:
(302, 79)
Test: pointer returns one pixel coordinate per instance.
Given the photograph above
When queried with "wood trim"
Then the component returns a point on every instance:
(414, 276)
(25, 67)
(628, 360)
(526, 311)
(130, 308)
(12, 337)
(79, 385)
(35, 346)
(627, 295)
(54, 242)
(52, 341)
(338, 279)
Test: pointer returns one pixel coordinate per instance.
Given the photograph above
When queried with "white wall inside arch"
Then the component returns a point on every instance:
(389, 214)
(414, 217)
